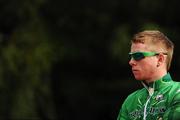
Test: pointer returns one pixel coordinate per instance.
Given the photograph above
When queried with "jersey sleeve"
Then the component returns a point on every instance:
(123, 115)
(124, 111)
(173, 112)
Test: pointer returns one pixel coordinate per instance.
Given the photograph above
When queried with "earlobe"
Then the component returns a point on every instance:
(158, 64)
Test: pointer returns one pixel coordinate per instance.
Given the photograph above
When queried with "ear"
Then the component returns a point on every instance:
(161, 59)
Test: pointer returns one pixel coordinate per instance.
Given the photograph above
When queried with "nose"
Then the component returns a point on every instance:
(132, 62)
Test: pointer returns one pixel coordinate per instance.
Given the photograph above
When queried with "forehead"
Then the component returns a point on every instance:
(135, 47)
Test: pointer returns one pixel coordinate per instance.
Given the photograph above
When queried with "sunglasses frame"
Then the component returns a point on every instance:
(141, 55)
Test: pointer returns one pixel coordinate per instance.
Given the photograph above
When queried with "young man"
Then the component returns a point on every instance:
(151, 55)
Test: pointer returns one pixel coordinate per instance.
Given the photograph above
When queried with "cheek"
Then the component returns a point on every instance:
(149, 68)
(151, 62)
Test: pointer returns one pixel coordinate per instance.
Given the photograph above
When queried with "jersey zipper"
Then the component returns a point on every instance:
(151, 92)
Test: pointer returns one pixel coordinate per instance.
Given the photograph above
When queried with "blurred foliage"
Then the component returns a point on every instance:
(68, 59)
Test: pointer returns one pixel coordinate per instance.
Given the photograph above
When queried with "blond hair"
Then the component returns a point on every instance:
(158, 40)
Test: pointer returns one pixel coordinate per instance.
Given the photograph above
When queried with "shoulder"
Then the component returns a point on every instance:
(175, 91)
(175, 86)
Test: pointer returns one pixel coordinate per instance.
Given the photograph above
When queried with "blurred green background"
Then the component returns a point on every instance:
(68, 59)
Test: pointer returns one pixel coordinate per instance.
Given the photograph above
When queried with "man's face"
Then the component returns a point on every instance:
(144, 69)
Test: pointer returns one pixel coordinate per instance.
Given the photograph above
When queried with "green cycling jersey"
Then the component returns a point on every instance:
(159, 100)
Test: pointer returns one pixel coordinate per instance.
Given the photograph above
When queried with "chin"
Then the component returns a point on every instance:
(138, 78)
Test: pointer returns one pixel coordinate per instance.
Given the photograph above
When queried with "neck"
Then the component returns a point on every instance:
(157, 76)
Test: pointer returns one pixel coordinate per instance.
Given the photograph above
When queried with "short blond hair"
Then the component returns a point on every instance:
(157, 39)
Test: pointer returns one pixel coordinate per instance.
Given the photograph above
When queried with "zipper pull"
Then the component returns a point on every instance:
(151, 91)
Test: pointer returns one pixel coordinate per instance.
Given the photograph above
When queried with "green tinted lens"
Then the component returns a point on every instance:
(138, 56)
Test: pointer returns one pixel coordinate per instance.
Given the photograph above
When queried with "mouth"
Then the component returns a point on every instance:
(134, 69)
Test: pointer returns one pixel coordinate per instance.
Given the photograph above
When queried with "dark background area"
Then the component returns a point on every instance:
(66, 59)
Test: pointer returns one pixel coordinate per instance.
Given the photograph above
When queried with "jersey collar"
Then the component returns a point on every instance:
(164, 81)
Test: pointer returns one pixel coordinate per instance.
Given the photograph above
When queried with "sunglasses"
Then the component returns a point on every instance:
(140, 55)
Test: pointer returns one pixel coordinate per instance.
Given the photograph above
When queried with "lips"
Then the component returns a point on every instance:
(135, 70)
